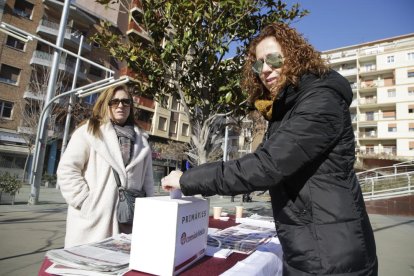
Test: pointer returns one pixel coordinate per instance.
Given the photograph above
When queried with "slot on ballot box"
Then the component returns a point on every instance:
(168, 234)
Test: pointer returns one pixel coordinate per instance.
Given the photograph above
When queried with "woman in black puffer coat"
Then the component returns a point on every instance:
(306, 160)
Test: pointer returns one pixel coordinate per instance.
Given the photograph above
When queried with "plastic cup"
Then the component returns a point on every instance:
(239, 211)
(217, 212)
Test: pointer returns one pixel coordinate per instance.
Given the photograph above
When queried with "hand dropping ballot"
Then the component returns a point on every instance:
(169, 233)
(176, 194)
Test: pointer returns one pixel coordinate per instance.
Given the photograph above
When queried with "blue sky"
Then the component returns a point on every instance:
(337, 23)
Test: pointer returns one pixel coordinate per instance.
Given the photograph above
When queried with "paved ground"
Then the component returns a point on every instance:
(27, 232)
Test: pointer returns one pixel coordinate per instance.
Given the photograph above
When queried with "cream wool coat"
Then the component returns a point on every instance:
(88, 185)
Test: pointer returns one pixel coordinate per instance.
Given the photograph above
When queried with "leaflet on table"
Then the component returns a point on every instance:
(111, 254)
(241, 238)
(257, 220)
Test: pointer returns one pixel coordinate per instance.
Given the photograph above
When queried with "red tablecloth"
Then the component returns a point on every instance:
(207, 266)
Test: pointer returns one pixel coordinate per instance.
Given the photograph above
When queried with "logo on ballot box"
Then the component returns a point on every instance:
(181, 230)
(185, 239)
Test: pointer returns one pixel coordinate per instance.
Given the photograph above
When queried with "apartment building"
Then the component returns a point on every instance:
(164, 121)
(23, 63)
(381, 74)
(25, 66)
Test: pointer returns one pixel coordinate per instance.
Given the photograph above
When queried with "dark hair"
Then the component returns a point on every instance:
(299, 58)
(101, 111)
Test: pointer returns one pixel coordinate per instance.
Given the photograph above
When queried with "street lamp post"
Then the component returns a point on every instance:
(71, 100)
(40, 147)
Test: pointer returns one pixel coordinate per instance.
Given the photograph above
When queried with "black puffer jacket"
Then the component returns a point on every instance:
(306, 162)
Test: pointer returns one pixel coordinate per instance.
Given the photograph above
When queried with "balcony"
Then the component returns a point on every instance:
(72, 36)
(366, 101)
(125, 71)
(41, 94)
(378, 151)
(145, 102)
(367, 69)
(341, 56)
(138, 32)
(368, 134)
(348, 72)
(33, 96)
(378, 116)
(45, 59)
(371, 51)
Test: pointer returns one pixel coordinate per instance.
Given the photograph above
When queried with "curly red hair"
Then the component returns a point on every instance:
(299, 58)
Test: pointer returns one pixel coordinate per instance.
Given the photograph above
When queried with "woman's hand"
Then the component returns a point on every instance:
(171, 181)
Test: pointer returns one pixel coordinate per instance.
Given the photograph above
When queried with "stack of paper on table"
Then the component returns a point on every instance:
(241, 238)
(107, 257)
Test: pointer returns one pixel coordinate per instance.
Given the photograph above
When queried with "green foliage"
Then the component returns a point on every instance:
(187, 43)
(9, 184)
(49, 177)
(178, 48)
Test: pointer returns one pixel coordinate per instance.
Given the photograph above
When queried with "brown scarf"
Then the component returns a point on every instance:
(265, 108)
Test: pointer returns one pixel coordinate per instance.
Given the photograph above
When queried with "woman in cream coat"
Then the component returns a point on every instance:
(109, 140)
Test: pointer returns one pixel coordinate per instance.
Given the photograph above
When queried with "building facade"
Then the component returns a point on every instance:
(25, 67)
(25, 63)
(381, 74)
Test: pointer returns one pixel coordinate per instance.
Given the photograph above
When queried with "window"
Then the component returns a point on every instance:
(410, 91)
(11, 161)
(369, 67)
(391, 92)
(6, 109)
(369, 116)
(23, 8)
(15, 43)
(9, 74)
(411, 145)
(392, 127)
(91, 99)
(390, 59)
(173, 127)
(410, 73)
(411, 108)
(162, 123)
(389, 114)
(175, 104)
(185, 130)
(164, 101)
(410, 56)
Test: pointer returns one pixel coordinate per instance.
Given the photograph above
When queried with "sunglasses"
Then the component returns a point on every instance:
(274, 60)
(115, 102)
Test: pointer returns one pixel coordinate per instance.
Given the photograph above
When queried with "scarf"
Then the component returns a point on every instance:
(265, 108)
(126, 137)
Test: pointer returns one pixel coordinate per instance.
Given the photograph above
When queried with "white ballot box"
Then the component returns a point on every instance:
(168, 234)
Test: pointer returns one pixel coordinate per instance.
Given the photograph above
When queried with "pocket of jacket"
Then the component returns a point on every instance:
(85, 208)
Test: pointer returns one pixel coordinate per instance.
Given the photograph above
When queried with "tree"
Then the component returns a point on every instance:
(184, 55)
(31, 107)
